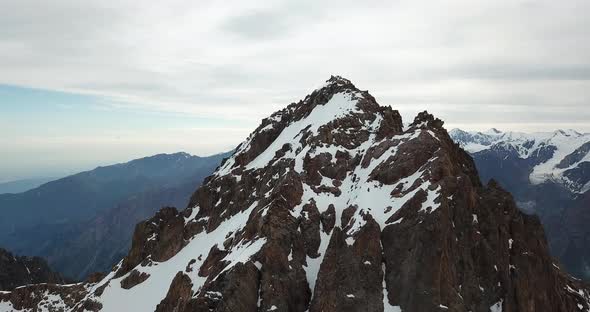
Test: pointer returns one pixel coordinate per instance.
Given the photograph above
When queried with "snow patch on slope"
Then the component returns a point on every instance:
(6, 306)
(497, 307)
(145, 296)
(367, 195)
(340, 105)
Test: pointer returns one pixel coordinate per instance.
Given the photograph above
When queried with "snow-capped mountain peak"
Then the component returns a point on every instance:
(332, 205)
(492, 131)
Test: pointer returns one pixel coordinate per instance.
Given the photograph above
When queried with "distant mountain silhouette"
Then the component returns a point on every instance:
(19, 186)
(83, 223)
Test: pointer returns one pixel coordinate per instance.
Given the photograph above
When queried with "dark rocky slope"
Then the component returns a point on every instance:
(332, 205)
(17, 271)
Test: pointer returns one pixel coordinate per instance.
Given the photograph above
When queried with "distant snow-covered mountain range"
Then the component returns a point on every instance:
(561, 156)
(549, 175)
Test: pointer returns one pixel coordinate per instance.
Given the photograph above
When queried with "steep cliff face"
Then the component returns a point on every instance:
(332, 205)
(17, 271)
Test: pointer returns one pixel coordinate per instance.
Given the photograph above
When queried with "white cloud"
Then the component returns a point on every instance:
(243, 60)
(522, 65)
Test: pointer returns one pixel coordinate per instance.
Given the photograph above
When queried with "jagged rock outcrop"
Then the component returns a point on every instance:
(332, 205)
(178, 294)
(156, 239)
(46, 297)
(18, 271)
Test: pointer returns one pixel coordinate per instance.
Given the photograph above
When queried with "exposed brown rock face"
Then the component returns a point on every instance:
(134, 278)
(46, 297)
(18, 271)
(350, 276)
(156, 239)
(331, 205)
(178, 294)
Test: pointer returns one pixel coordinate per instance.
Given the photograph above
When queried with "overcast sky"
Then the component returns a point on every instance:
(94, 82)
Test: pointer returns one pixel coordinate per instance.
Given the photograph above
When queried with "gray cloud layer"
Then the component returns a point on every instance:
(513, 64)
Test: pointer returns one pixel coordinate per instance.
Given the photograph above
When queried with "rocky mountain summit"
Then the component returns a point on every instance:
(332, 205)
(17, 271)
